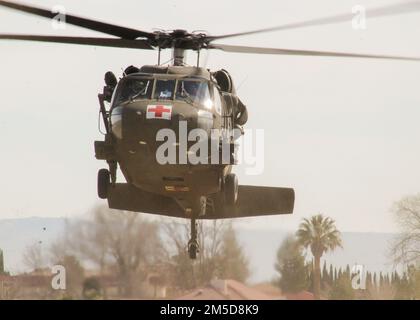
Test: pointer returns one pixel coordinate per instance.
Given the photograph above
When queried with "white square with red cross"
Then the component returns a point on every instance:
(159, 111)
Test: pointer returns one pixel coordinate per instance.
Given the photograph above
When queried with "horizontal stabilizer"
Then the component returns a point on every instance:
(124, 196)
(252, 201)
(260, 201)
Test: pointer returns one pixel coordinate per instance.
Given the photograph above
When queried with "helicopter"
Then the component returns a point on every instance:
(146, 112)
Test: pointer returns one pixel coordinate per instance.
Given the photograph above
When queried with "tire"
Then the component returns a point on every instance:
(231, 189)
(103, 183)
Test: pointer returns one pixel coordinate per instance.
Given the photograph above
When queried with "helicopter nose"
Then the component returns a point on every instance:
(170, 116)
(137, 121)
(146, 120)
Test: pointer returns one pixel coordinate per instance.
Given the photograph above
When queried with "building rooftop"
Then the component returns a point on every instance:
(226, 290)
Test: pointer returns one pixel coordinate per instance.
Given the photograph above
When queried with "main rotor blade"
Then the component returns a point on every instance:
(103, 42)
(118, 31)
(400, 8)
(292, 52)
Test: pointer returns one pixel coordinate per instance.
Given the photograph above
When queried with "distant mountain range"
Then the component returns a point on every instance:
(260, 245)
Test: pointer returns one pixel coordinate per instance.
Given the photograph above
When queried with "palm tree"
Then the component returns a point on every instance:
(320, 235)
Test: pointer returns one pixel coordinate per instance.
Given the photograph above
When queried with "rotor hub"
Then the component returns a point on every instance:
(180, 39)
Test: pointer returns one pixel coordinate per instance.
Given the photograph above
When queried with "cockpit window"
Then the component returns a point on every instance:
(193, 91)
(164, 89)
(134, 89)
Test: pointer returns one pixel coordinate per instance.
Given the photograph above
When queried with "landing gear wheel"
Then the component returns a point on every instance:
(231, 189)
(103, 183)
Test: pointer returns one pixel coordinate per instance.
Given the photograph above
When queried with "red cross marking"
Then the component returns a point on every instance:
(159, 110)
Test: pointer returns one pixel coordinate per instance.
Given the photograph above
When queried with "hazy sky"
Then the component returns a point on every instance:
(344, 133)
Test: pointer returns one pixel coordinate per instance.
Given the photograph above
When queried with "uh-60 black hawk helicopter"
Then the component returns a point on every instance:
(154, 97)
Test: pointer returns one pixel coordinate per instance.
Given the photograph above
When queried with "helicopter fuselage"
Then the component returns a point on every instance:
(172, 142)
(137, 151)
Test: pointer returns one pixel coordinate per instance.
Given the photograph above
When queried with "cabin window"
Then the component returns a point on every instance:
(164, 89)
(134, 89)
(194, 92)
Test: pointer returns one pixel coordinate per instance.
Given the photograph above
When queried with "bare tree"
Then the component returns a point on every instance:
(117, 238)
(385, 292)
(406, 248)
(34, 257)
(219, 253)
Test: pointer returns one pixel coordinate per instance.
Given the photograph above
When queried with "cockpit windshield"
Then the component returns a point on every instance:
(164, 89)
(134, 89)
(194, 91)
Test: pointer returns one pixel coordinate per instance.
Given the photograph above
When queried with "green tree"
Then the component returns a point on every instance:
(324, 275)
(290, 264)
(348, 271)
(331, 278)
(381, 280)
(310, 273)
(92, 289)
(368, 280)
(409, 284)
(342, 289)
(320, 235)
(404, 288)
(417, 284)
(233, 262)
(340, 273)
(1, 262)
(374, 281)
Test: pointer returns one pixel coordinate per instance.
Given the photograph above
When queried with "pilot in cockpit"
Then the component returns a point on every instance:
(188, 90)
(164, 89)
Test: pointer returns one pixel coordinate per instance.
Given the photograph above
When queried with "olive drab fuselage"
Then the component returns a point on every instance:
(134, 124)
